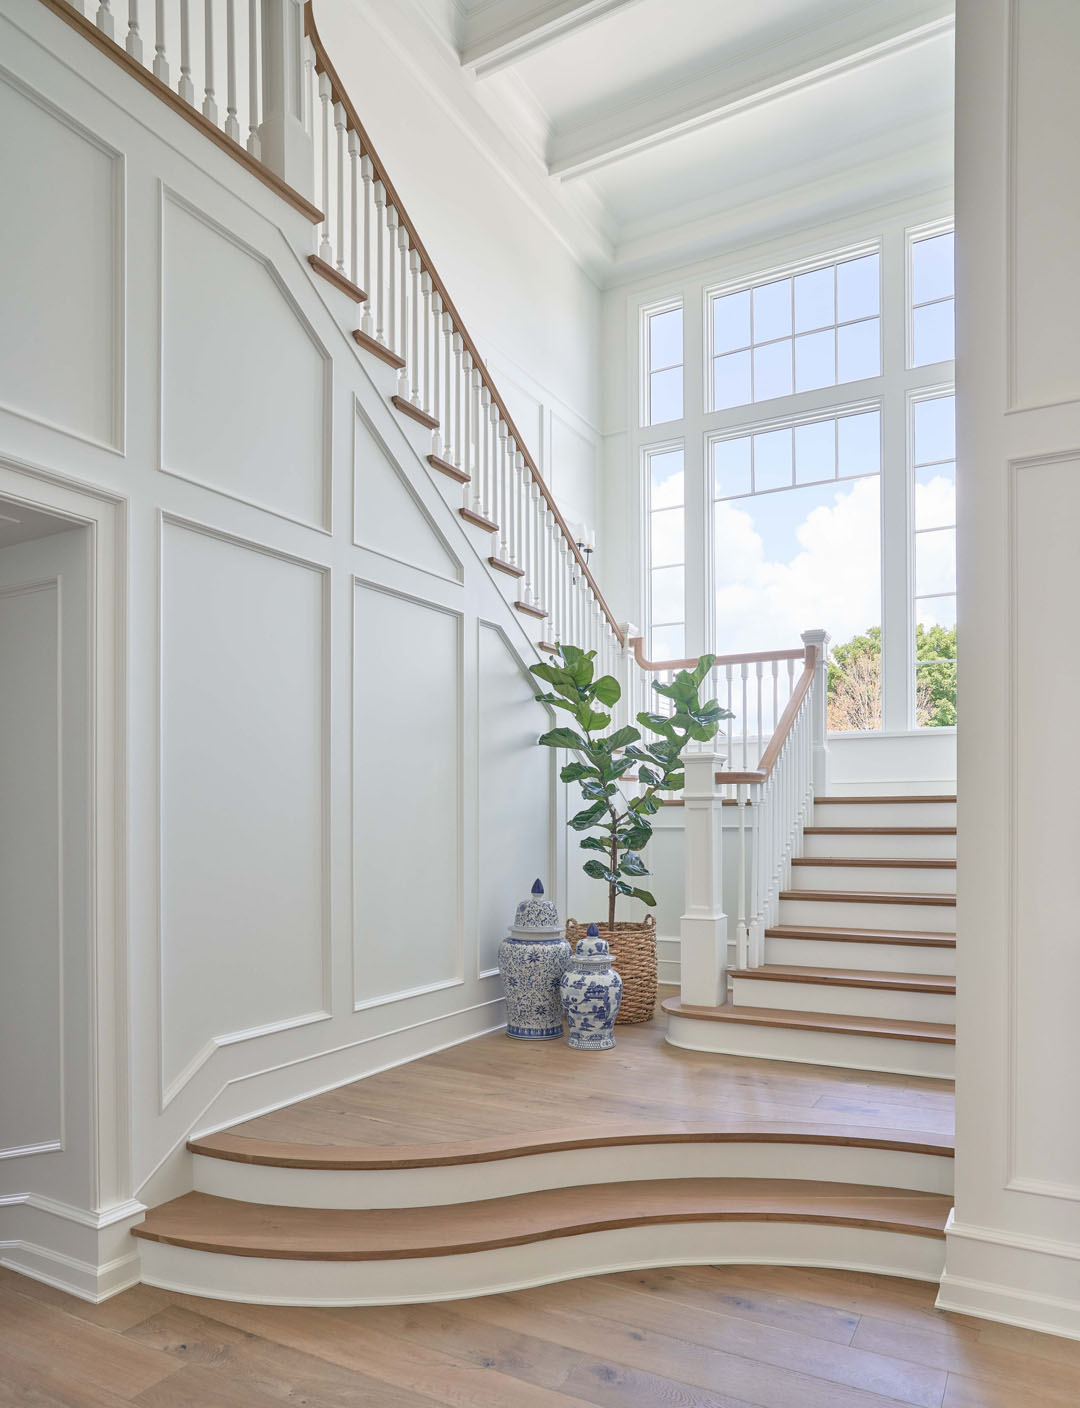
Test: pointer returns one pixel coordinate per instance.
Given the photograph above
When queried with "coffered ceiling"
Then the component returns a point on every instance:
(674, 125)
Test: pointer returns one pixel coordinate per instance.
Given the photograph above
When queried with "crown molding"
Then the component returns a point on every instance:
(503, 32)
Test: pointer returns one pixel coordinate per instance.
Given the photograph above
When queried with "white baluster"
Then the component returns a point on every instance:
(391, 282)
(355, 197)
(254, 143)
(521, 498)
(209, 107)
(105, 19)
(502, 508)
(380, 261)
(340, 136)
(133, 42)
(161, 63)
(449, 427)
(427, 400)
(185, 87)
(548, 584)
(326, 253)
(466, 421)
(403, 285)
(441, 415)
(367, 322)
(416, 366)
(232, 124)
(484, 450)
(459, 405)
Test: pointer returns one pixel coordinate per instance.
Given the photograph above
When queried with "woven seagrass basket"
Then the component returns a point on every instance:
(633, 950)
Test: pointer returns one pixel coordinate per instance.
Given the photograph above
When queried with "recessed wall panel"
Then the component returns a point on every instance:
(515, 792)
(61, 241)
(244, 381)
(407, 794)
(242, 791)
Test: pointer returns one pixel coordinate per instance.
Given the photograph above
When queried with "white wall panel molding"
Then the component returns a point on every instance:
(515, 844)
(252, 365)
(299, 913)
(1044, 493)
(410, 648)
(392, 517)
(32, 1026)
(1043, 280)
(57, 178)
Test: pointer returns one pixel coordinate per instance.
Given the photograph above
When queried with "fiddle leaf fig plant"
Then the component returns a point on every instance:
(612, 823)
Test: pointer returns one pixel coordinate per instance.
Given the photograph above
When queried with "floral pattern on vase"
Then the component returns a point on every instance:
(591, 991)
(532, 960)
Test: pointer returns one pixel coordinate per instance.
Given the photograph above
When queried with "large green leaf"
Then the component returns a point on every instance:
(658, 723)
(607, 690)
(702, 668)
(621, 737)
(645, 896)
(636, 834)
(591, 719)
(632, 864)
(589, 817)
(589, 788)
(563, 738)
(599, 871)
(557, 703)
(573, 772)
(594, 843)
(650, 778)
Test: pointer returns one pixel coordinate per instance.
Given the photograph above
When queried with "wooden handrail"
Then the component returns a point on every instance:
(763, 655)
(352, 119)
(783, 727)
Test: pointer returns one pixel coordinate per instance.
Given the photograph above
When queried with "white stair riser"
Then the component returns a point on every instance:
(843, 914)
(268, 1281)
(884, 814)
(881, 958)
(850, 1001)
(456, 1183)
(903, 879)
(851, 1051)
(867, 844)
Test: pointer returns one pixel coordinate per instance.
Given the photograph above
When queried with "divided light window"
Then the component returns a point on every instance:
(664, 365)
(667, 554)
(797, 538)
(933, 425)
(802, 332)
(932, 329)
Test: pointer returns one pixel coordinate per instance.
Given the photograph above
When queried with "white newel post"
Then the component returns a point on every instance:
(628, 704)
(703, 927)
(286, 147)
(819, 729)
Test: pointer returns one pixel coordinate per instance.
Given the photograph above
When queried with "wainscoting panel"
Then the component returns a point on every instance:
(31, 1085)
(515, 791)
(244, 909)
(237, 354)
(61, 249)
(408, 847)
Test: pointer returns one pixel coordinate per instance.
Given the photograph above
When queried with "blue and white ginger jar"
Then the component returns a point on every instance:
(591, 992)
(532, 959)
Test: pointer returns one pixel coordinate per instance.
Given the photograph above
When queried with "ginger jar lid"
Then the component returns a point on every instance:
(537, 914)
(593, 946)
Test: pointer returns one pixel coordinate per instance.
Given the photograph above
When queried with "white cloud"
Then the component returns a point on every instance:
(833, 581)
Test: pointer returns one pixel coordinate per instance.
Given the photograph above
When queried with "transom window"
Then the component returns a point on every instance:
(802, 332)
(667, 547)
(934, 531)
(664, 359)
(932, 332)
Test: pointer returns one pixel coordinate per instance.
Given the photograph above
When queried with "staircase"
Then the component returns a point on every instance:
(859, 969)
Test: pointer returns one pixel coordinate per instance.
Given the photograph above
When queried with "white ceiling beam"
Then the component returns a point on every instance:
(505, 31)
(637, 122)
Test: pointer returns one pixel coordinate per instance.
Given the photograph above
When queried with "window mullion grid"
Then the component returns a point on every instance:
(897, 551)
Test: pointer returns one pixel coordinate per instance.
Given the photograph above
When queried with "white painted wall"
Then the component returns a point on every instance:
(317, 856)
(1014, 1245)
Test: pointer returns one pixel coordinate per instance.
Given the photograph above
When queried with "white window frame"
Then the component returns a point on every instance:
(893, 236)
(667, 305)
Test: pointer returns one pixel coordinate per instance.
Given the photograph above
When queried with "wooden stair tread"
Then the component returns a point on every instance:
(850, 978)
(869, 897)
(369, 344)
(470, 516)
(445, 467)
(733, 1129)
(337, 278)
(865, 936)
(207, 1223)
(407, 408)
(869, 862)
(527, 609)
(879, 830)
(507, 567)
(941, 1032)
(905, 797)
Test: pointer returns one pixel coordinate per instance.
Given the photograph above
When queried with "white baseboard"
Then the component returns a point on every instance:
(1012, 1277)
(1050, 1315)
(67, 1273)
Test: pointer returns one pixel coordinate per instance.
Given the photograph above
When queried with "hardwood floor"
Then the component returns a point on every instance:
(493, 1095)
(701, 1337)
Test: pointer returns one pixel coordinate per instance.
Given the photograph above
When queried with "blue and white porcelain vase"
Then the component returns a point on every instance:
(591, 992)
(532, 959)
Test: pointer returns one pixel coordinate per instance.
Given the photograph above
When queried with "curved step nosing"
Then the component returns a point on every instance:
(510, 1269)
(315, 1156)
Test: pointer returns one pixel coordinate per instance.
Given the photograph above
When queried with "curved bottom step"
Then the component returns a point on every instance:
(301, 1256)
